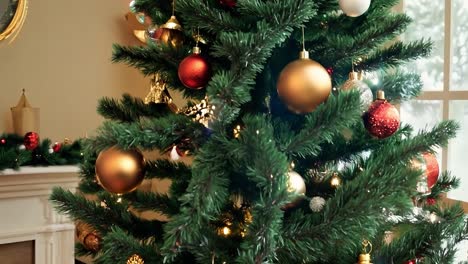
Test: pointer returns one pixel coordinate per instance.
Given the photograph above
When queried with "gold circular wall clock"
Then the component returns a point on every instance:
(12, 16)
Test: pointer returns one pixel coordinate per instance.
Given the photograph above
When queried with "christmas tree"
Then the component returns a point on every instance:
(294, 157)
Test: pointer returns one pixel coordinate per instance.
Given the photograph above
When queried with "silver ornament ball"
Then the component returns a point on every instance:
(355, 82)
(316, 204)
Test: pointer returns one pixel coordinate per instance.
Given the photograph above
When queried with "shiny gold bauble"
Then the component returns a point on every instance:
(296, 185)
(120, 171)
(303, 85)
(364, 259)
(170, 37)
(170, 33)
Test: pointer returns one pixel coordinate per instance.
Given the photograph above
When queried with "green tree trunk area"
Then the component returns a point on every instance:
(291, 161)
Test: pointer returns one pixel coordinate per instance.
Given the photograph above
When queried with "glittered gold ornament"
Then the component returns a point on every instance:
(135, 259)
(201, 112)
(120, 171)
(365, 257)
(92, 242)
(88, 236)
(159, 94)
(304, 84)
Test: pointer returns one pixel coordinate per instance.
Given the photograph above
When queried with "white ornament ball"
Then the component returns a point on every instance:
(296, 183)
(51, 150)
(354, 8)
(22, 147)
(316, 204)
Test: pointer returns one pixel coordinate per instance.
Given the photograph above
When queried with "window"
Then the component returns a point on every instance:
(445, 77)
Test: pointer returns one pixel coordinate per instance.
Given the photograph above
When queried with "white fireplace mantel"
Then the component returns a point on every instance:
(26, 213)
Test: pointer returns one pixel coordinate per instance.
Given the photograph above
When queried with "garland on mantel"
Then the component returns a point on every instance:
(14, 153)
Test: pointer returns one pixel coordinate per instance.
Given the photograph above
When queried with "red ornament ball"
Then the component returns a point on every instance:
(382, 119)
(330, 71)
(413, 261)
(228, 3)
(31, 140)
(2, 141)
(431, 201)
(56, 147)
(432, 169)
(194, 71)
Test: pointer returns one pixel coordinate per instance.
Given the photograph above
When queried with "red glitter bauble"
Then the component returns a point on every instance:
(382, 119)
(431, 201)
(56, 147)
(228, 3)
(432, 169)
(194, 71)
(2, 141)
(31, 140)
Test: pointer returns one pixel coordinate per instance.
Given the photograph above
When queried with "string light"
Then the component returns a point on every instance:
(335, 180)
(237, 131)
(226, 231)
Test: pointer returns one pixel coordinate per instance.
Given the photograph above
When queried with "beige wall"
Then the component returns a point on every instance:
(62, 58)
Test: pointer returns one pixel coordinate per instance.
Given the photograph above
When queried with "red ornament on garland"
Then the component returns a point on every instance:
(194, 70)
(432, 169)
(382, 119)
(431, 201)
(413, 261)
(228, 3)
(56, 147)
(426, 162)
(2, 141)
(31, 140)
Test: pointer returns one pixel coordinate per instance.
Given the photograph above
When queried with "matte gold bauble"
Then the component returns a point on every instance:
(120, 171)
(304, 84)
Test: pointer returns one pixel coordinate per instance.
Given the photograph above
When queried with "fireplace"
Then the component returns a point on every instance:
(29, 226)
(17, 253)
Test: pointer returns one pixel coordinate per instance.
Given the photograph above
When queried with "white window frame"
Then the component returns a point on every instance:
(446, 95)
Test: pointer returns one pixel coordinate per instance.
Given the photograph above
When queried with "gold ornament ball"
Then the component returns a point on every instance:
(135, 259)
(297, 186)
(120, 171)
(303, 85)
(92, 242)
(296, 183)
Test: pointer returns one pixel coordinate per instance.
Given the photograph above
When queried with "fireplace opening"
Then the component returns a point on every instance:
(17, 253)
